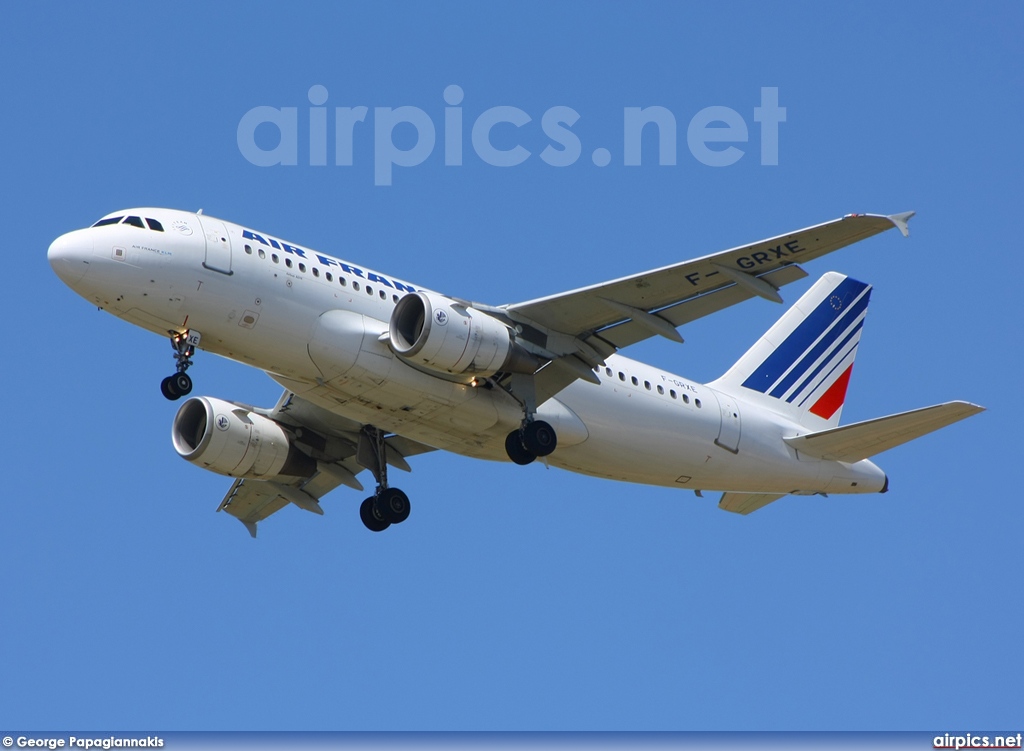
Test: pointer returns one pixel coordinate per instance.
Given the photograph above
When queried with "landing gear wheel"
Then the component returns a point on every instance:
(176, 386)
(516, 450)
(371, 517)
(182, 383)
(539, 438)
(393, 505)
(167, 388)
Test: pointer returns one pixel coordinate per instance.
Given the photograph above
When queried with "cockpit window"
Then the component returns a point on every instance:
(154, 224)
(108, 220)
(134, 221)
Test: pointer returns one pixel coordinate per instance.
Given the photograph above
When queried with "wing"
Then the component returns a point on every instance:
(576, 330)
(333, 441)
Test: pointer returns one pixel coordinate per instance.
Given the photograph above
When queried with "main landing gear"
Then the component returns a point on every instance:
(180, 384)
(534, 439)
(388, 505)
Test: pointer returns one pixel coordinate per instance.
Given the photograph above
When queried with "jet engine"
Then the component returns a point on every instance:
(440, 334)
(230, 440)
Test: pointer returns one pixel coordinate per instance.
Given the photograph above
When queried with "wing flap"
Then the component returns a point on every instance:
(746, 503)
(558, 374)
(252, 502)
(851, 443)
(629, 332)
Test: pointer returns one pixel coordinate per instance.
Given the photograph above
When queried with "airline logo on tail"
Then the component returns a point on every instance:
(811, 368)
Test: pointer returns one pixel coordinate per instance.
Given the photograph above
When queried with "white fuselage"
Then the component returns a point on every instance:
(262, 301)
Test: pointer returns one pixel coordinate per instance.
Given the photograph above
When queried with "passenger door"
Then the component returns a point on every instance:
(218, 245)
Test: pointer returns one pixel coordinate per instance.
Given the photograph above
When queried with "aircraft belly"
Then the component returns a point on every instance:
(670, 445)
(680, 445)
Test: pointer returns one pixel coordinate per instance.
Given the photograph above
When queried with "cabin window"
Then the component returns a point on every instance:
(342, 281)
(248, 250)
(608, 372)
(274, 258)
(672, 393)
(355, 286)
(329, 277)
(634, 381)
(288, 262)
(261, 253)
(647, 385)
(316, 271)
(383, 295)
(622, 376)
(697, 402)
(686, 398)
(302, 268)
(661, 390)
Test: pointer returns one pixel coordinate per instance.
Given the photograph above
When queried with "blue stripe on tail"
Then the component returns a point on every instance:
(845, 319)
(825, 363)
(795, 347)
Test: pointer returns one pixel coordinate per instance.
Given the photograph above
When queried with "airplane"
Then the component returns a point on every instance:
(377, 370)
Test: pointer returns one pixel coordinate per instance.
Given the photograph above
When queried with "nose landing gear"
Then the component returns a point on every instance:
(184, 345)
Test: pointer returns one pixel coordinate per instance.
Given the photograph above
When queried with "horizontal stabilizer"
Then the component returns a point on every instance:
(746, 503)
(851, 443)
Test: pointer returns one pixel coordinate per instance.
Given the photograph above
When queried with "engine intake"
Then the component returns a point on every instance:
(440, 334)
(229, 440)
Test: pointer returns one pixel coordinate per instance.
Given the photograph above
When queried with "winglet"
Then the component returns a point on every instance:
(251, 526)
(900, 221)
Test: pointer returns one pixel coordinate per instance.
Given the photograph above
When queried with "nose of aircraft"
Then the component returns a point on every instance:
(69, 256)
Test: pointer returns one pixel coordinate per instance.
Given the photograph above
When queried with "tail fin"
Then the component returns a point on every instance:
(801, 367)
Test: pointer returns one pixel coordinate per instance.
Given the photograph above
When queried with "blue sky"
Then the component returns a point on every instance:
(517, 598)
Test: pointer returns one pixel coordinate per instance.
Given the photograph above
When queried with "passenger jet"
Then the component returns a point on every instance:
(377, 370)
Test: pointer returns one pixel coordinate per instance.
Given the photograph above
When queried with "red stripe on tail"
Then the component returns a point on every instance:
(833, 399)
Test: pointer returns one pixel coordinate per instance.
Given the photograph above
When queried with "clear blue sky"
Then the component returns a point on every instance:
(517, 597)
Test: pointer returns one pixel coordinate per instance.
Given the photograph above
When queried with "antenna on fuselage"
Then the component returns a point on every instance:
(199, 212)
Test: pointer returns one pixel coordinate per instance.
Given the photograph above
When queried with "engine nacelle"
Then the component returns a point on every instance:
(229, 440)
(440, 334)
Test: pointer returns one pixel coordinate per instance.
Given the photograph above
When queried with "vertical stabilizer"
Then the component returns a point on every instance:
(801, 367)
